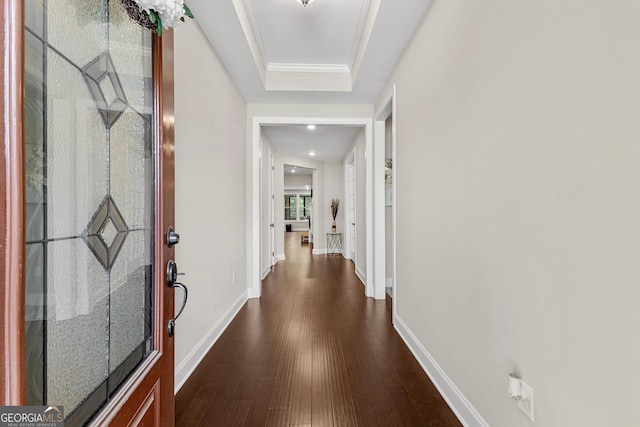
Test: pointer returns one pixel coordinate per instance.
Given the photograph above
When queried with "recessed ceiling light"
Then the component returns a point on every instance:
(311, 127)
(304, 2)
(312, 153)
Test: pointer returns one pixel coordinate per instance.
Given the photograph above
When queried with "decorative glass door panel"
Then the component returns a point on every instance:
(89, 203)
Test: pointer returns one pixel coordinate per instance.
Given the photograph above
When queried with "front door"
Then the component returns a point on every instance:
(96, 193)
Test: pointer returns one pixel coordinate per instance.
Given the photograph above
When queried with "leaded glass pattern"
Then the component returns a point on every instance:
(77, 322)
(89, 205)
(104, 85)
(106, 233)
(77, 148)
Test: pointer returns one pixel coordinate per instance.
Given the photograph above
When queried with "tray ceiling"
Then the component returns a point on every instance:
(331, 51)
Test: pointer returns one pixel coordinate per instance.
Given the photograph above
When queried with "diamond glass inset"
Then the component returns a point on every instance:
(106, 233)
(108, 90)
(105, 87)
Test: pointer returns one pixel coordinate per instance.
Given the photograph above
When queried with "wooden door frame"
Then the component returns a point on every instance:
(12, 233)
(12, 221)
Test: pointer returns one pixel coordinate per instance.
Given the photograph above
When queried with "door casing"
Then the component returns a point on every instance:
(12, 201)
(254, 224)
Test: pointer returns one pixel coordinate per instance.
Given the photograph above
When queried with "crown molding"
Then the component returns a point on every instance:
(256, 49)
(365, 35)
(308, 68)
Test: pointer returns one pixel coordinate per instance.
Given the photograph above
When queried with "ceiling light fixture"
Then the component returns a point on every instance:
(304, 2)
(311, 127)
(312, 153)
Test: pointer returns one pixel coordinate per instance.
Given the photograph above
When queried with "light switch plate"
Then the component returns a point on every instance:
(526, 405)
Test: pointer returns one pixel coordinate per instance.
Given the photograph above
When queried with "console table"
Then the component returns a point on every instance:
(334, 243)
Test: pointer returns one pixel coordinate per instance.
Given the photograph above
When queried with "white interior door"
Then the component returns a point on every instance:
(272, 211)
(352, 210)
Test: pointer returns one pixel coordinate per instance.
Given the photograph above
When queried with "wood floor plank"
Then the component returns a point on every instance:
(312, 351)
(301, 393)
(278, 417)
(234, 414)
(321, 410)
(260, 398)
(195, 396)
(283, 387)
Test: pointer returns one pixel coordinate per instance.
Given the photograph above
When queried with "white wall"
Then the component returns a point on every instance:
(210, 125)
(297, 181)
(333, 189)
(517, 173)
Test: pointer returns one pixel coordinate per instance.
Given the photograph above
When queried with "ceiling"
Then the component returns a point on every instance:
(297, 170)
(329, 143)
(331, 51)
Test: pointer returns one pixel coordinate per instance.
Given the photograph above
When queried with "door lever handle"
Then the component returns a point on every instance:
(172, 323)
(172, 282)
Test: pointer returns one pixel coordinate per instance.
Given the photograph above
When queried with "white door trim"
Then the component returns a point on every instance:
(254, 284)
(349, 188)
(272, 210)
(387, 108)
(379, 226)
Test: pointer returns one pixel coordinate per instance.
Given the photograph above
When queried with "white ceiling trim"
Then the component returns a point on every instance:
(255, 47)
(372, 15)
(365, 26)
(255, 33)
(308, 81)
(308, 68)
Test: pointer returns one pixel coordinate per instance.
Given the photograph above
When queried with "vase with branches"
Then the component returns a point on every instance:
(335, 203)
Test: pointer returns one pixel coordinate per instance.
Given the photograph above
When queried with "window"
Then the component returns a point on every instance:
(290, 207)
(296, 207)
(305, 202)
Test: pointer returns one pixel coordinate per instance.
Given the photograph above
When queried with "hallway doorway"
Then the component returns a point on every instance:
(256, 222)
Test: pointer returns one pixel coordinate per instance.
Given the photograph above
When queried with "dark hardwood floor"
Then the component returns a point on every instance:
(313, 351)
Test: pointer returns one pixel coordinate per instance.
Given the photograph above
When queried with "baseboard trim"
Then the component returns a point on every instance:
(319, 252)
(189, 364)
(280, 257)
(459, 404)
(265, 273)
(253, 293)
(361, 276)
